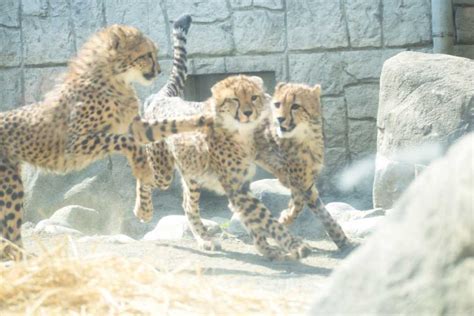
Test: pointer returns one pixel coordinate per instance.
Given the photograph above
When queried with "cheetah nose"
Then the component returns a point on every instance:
(248, 113)
(280, 119)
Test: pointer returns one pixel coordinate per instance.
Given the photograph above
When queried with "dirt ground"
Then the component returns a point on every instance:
(237, 264)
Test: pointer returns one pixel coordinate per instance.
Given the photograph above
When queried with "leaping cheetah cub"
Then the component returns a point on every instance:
(290, 145)
(82, 119)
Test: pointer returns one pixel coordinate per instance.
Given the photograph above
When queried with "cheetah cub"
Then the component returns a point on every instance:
(221, 159)
(290, 145)
(85, 117)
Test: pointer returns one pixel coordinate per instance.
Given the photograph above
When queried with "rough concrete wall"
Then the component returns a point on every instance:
(339, 43)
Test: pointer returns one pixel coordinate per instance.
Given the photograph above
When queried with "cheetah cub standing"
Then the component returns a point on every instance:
(221, 159)
(290, 145)
(84, 118)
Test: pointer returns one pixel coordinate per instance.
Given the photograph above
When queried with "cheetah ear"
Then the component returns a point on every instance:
(117, 37)
(215, 88)
(317, 90)
(257, 80)
(280, 85)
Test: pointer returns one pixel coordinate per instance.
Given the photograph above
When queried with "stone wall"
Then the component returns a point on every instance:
(339, 43)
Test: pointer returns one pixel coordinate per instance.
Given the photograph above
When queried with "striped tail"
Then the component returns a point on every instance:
(175, 85)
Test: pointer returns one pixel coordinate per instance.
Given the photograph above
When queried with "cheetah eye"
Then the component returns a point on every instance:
(254, 97)
(235, 100)
(277, 104)
(149, 55)
(295, 106)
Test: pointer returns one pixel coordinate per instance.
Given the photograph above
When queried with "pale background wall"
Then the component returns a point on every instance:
(341, 44)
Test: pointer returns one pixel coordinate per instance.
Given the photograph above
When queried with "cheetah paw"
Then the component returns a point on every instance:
(143, 215)
(274, 253)
(285, 218)
(300, 251)
(209, 245)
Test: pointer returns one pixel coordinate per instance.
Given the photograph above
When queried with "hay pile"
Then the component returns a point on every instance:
(58, 282)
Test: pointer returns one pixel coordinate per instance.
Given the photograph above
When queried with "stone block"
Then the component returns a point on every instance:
(315, 24)
(87, 17)
(10, 93)
(256, 64)
(210, 39)
(58, 8)
(362, 138)
(146, 15)
(364, 22)
(35, 7)
(334, 114)
(464, 51)
(334, 70)
(207, 65)
(465, 25)
(259, 31)
(461, 2)
(362, 100)
(238, 4)
(335, 160)
(38, 81)
(44, 43)
(200, 10)
(269, 4)
(10, 49)
(406, 22)
(10, 13)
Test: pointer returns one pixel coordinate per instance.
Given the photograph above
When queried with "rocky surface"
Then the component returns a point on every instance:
(419, 260)
(426, 103)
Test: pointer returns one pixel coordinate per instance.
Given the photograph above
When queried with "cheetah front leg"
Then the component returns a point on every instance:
(98, 145)
(259, 221)
(11, 208)
(276, 165)
(191, 195)
(295, 206)
(333, 229)
(162, 165)
(150, 131)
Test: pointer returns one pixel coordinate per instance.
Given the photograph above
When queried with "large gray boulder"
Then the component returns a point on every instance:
(426, 103)
(420, 260)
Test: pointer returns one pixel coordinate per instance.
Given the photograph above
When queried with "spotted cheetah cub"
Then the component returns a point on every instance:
(85, 117)
(290, 145)
(221, 159)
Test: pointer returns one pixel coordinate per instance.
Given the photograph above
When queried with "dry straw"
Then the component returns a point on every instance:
(58, 282)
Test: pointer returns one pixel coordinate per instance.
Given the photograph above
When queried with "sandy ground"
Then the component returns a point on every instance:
(237, 264)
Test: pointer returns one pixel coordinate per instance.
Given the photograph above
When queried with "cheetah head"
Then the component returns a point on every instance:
(135, 54)
(239, 101)
(120, 51)
(294, 106)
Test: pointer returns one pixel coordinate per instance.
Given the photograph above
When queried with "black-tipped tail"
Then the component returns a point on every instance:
(183, 22)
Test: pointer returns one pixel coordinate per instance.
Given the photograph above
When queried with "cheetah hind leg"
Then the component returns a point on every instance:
(259, 221)
(143, 209)
(191, 197)
(11, 208)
